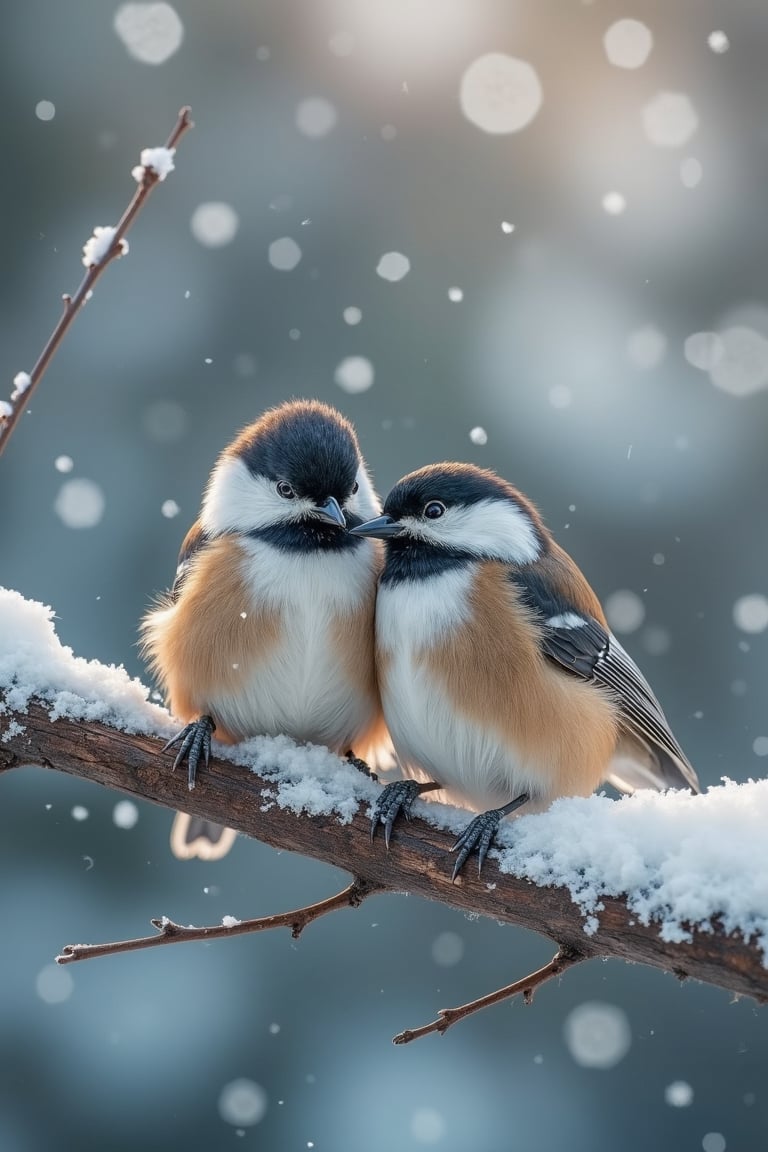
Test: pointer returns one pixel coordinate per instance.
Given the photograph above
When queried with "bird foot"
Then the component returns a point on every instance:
(396, 798)
(195, 740)
(360, 764)
(480, 833)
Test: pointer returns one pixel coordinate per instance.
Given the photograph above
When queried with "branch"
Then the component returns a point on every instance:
(418, 861)
(563, 959)
(147, 178)
(171, 933)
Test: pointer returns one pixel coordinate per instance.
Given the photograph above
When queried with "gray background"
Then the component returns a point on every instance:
(657, 461)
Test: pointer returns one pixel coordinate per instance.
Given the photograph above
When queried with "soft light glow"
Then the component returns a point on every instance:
(718, 42)
(447, 949)
(678, 1094)
(507, 228)
(284, 254)
(703, 350)
(597, 1035)
(80, 503)
(352, 316)
(342, 42)
(478, 435)
(614, 203)
(669, 119)
(625, 611)
(54, 984)
(743, 366)
(45, 110)
(64, 463)
(455, 295)
(354, 374)
(165, 421)
(628, 43)
(214, 224)
(169, 509)
(560, 396)
(500, 93)
(125, 814)
(750, 613)
(393, 266)
(150, 33)
(427, 1126)
(242, 1103)
(691, 172)
(316, 117)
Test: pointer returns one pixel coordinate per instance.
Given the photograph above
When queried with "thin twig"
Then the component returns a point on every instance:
(72, 304)
(565, 958)
(172, 933)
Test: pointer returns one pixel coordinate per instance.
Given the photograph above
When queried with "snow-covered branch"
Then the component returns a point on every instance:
(105, 245)
(677, 882)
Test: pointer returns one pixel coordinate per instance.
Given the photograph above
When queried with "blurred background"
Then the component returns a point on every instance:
(526, 234)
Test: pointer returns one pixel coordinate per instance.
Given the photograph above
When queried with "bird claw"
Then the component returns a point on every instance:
(360, 764)
(195, 739)
(477, 836)
(396, 798)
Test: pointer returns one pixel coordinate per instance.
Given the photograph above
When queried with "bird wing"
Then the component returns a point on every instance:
(194, 541)
(580, 644)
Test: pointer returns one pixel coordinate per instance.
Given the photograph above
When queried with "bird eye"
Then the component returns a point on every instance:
(284, 489)
(434, 510)
(355, 487)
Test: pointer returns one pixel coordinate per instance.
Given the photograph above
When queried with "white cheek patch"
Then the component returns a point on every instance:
(237, 501)
(492, 529)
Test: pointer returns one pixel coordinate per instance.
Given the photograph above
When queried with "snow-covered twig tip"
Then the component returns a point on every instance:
(105, 245)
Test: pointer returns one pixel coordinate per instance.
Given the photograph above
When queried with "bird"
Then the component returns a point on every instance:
(502, 684)
(269, 626)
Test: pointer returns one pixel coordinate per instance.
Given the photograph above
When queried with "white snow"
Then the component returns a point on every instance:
(21, 382)
(242, 1102)
(455, 295)
(63, 463)
(393, 266)
(669, 119)
(79, 812)
(500, 93)
(316, 117)
(679, 860)
(45, 110)
(352, 316)
(354, 374)
(150, 33)
(750, 613)
(169, 509)
(80, 503)
(614, 203)
(691, 172)
(625, 610)
(713, 1142)
(125, 814)
(98, 245)
(6, 409)
(230, 921)
(447, 949)
(53, 984)
(628, 43)
(160, 160)
(214, 224)
(284, 254)
(718, 42)
(597, 1035)
(678, 1094)
(478, 435)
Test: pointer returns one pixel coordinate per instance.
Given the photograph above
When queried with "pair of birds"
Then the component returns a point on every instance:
(471, 636)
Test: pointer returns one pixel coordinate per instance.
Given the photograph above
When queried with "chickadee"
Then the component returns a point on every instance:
(269, 627)
(501, 682)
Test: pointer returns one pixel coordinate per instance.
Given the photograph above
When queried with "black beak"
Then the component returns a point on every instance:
(382, 528)
(330, 511)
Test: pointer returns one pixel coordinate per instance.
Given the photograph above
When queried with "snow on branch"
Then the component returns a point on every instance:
(105, 245)
(674, 881)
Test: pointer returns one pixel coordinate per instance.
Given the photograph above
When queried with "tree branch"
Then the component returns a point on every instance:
(171, 933)
(11, 412)
(418, 861)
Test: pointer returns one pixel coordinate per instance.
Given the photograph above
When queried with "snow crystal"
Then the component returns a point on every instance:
(447, 949)
(354, 374)
(669, 119)
(53, 984)
(507, 228)
(79, 813)
(646, 347)
(678, 1094)
(45, 110)
(478, 435)
(500, 93)
(342, 43)
(427, 1126)
(703, 350)
(214, 224)
(80, 503)
(625, 611)
(750, 613)
(165, 421)
(230, 921)
(21, 383)
(679, 860)
(242, 1103)
(284, 254)
(169, 509)
(718, 42)
(743, 366)
(98, 245)
(597, 1035)
(614, 203)
(125, 814)
(316, 117)
(393, 266)
(455, 295)
(160, 160)
(352, 316)
(628, 43)
(150, 33)
(691, 172)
